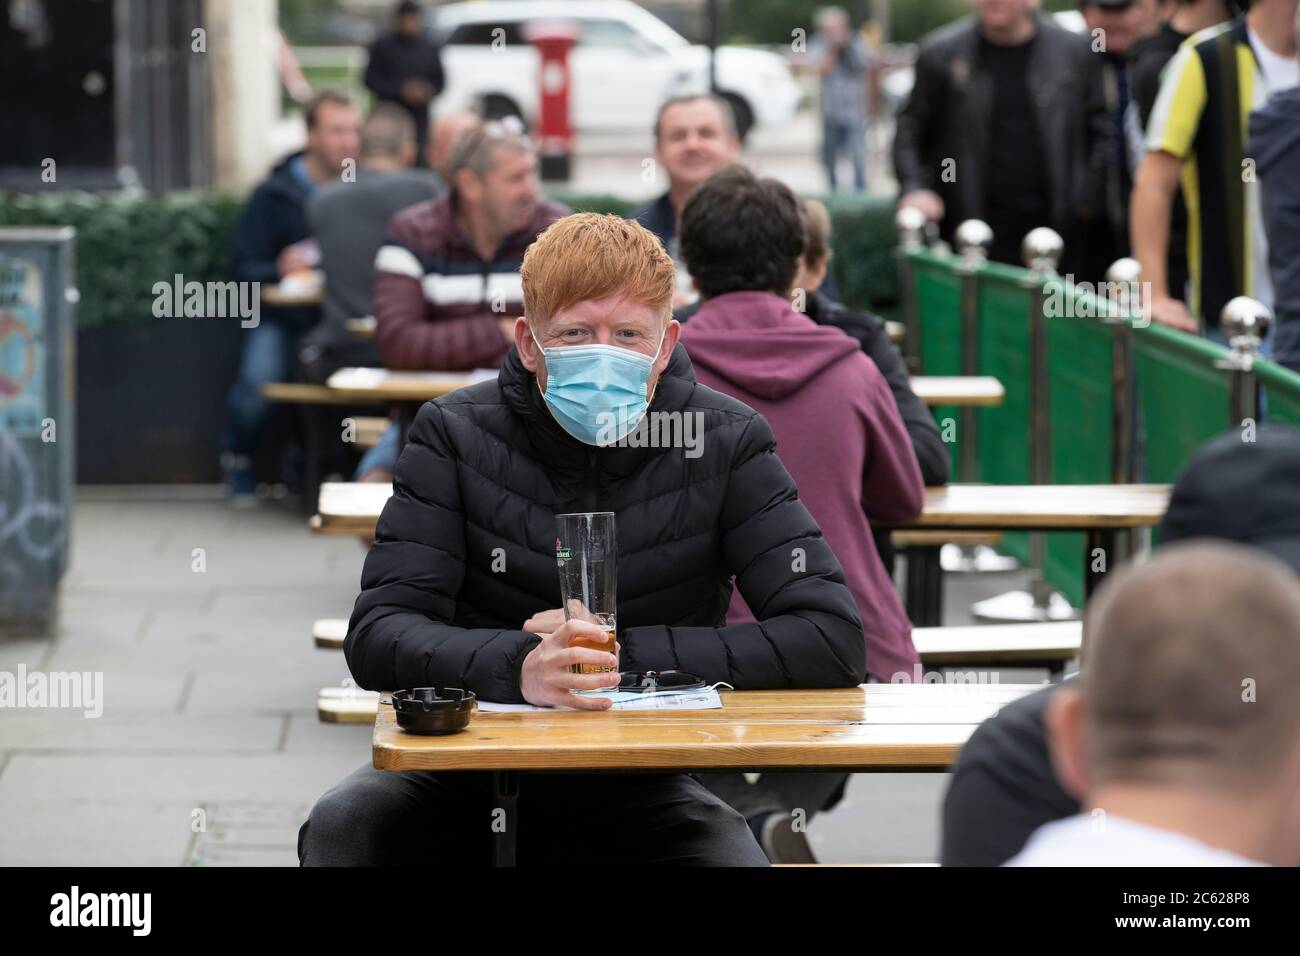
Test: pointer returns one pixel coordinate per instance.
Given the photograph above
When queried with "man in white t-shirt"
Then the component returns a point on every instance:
(1182, 735)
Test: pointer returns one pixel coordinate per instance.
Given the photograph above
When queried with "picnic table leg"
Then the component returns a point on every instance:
(313, 450)
(1105, 540)
(406, 413)
(924, 586)
(506, 794)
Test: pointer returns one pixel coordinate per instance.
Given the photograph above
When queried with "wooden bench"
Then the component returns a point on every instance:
(972, 391)
(363, 328)
(302, 393)
(1050, 645)
(370, 428)
(329, 632)
(347, 705)
(936, 539)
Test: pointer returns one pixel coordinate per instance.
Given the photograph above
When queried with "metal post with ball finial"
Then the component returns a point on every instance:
(1042, 250)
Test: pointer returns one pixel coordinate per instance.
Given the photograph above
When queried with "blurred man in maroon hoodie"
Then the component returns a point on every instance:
(838, 431)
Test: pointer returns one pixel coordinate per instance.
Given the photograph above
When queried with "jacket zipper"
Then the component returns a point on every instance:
(591, 487)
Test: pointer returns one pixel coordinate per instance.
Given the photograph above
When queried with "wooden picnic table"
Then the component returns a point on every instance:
(1102, 512)
(380, 385)
(973, 391)
(364, 327)
(1097, 509)
(288, 296)
(874, 727)
(871, 727)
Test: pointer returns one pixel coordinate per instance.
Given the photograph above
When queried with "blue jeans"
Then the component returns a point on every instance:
(269, 355)
(837, 137)
(383, 454)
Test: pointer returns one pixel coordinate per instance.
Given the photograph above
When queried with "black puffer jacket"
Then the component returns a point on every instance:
(488, 468)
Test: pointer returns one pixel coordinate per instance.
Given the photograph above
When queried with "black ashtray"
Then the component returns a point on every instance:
(433, 710)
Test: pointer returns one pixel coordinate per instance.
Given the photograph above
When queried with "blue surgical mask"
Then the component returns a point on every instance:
(597, 393)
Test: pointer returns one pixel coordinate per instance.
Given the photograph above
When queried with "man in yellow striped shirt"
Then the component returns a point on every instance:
(1195, 138)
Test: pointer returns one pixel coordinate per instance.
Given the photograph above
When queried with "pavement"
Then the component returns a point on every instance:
(209, 751)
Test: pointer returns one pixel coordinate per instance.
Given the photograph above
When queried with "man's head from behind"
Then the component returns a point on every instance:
(1242, 487)
(695, 136)
(494, 172)
(388, 138)
(816, 257)
(1188, 696)
(740, 233)
(333, 130)
(448, 129)
(597, 280)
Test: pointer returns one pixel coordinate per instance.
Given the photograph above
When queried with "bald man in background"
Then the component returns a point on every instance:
(1182, 736)
(1003, 786)
(448, 128)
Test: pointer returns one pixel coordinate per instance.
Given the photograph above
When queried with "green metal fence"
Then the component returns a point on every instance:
(1180, 396)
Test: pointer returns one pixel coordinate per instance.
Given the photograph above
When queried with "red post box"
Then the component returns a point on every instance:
(554, 39)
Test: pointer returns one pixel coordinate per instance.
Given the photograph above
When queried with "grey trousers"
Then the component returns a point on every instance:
(419, 818)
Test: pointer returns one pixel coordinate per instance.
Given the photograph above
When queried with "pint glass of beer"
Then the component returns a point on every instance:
(588, 562)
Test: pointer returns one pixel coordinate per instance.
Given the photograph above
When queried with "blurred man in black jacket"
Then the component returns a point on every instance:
(1006, 123)
(406, 68)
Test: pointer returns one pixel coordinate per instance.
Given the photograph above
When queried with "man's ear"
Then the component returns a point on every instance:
(527, 348)
(466, 184)
(671, 334)
(817, 276)
(1063, 721)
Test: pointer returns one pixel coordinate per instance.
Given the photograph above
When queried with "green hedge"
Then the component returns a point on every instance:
(128, 241)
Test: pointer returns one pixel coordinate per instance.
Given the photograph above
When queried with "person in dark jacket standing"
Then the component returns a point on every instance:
(405, 68)
(1274, 144)
(1006, 123)
(743, 238)
(266, 249)
(567, 426)
(1003, 785)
